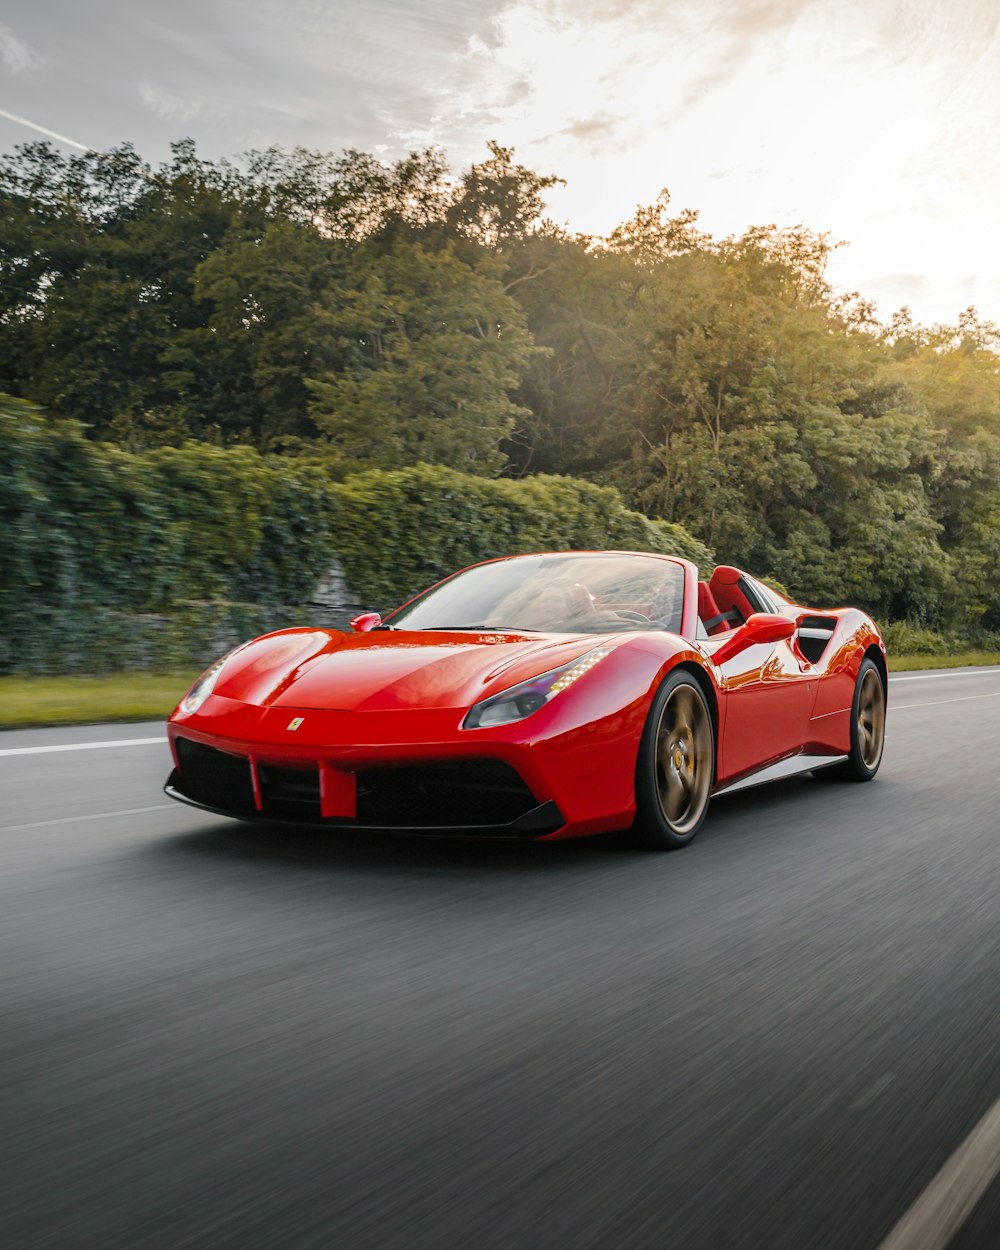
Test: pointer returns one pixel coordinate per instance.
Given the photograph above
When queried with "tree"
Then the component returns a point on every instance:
(432, 349)
(577, 301)
(244, 369)
(498, 201)
(106, 252)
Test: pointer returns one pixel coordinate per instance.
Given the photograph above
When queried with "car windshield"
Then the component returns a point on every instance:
(572, 594)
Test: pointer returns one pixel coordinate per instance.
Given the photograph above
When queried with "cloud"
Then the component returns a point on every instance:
(923, 31)
(870, 118)
(737, 30)
(168, 107)
(15, 53)
(595, 135)
(892, 290)
(643, 63)
(601, 126)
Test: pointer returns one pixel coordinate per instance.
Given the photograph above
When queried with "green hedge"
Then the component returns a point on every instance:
(403, 530)
(906, 638)
(111, 560)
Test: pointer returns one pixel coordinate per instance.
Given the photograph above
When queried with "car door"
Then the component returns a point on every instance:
(769, 693)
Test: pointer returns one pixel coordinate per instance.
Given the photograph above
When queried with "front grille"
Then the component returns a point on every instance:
(465, 794)
(214, 777)
(291, 792)
(439, 796)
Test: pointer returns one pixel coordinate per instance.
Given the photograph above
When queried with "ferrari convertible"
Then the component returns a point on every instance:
(539, 696)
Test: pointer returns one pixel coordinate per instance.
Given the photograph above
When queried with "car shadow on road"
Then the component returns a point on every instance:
(343, 850)
(788, 803)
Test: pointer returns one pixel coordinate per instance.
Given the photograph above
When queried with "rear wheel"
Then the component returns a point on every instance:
(676, 766)
(867, 729)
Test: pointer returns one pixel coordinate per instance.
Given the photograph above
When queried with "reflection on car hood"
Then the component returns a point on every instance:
(391, 670)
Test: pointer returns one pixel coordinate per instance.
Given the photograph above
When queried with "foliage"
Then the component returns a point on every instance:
(112, 559)
(431, 346)
(410, 528)
(903, 638)
(723, 385)
(189, 301)
(363, 315)
(499, 201)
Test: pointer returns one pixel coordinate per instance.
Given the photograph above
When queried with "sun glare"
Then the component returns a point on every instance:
(846, 119)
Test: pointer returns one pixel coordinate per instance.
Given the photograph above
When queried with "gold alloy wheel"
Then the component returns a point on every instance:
(871, 719)
(683, 759)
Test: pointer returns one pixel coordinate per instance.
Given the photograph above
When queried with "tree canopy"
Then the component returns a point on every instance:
(358, 314)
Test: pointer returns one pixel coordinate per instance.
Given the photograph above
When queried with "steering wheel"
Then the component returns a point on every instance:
(628, 615)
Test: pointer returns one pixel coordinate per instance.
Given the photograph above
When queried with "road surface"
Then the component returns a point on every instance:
(214, 1035)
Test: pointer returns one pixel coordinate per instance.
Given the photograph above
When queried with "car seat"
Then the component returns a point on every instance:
(725, 588)
(711, 617)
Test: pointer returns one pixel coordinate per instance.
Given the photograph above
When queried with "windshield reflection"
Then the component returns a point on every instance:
(561, 594)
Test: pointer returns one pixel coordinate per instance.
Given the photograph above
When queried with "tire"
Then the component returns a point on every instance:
(676, 767)
(867, 729)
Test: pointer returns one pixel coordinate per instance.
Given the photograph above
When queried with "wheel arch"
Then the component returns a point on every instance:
(874, 653)
(707, 687)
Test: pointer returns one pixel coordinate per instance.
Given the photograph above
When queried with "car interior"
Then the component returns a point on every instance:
(727, 599)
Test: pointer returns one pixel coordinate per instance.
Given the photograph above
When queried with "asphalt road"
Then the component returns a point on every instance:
(219, 1036)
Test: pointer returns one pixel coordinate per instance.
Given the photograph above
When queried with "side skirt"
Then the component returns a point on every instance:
(790, 767)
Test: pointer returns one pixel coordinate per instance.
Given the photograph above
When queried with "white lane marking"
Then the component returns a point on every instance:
(946, 1203)
(985, 671)
(81, 746)
(72, 820)
(965, 698)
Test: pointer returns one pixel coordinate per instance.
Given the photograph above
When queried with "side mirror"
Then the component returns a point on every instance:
(366, 622)
(761, 627)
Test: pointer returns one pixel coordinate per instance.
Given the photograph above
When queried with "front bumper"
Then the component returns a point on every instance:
(566, 772)
(471, 797)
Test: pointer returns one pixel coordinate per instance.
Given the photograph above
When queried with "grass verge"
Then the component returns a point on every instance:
(30, 702)
(961, 659)
(27, 702)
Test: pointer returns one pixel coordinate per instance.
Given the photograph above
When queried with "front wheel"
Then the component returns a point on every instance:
(675, 768)
(867, 729)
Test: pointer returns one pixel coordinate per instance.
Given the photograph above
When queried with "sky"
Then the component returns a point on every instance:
(875, 120)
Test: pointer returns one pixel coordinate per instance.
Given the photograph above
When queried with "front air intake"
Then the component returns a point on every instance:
(441, 796)
(214, 778)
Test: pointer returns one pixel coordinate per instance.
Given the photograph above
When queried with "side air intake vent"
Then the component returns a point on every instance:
(814, 635)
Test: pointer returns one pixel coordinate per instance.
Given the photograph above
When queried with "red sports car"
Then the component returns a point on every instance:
(542, 696)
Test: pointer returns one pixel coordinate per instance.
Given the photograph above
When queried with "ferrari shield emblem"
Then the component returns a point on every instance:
(295, 722)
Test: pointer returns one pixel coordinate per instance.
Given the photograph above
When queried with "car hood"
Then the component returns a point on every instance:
(388, 670)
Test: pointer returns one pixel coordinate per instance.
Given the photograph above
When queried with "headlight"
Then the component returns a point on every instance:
(203, 687)
(527, 697)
